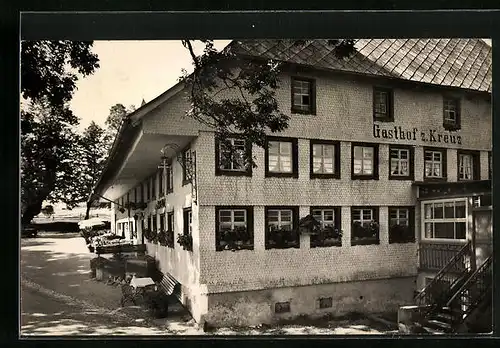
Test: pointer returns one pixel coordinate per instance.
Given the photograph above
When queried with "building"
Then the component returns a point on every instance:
(400, 129)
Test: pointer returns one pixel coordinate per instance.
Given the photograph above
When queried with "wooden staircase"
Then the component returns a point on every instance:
(453, 301)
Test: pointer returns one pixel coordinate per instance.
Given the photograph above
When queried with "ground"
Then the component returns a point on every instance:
(58, 297)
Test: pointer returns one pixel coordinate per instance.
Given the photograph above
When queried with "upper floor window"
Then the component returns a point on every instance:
(234, 229)
(325, 159)
(400, 162)
(153, 186)
(364, 161)
(490, 165)
(187, 166)
(435, 163)
(468, 165)
(281, 157)
(161, 178)
(281, 227)
(303, 96)
(230, 157)
(170, 178)
(382, 104)
(451, 113)
(445, 219)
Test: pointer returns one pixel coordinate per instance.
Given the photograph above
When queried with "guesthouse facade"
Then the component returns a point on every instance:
(372, 143)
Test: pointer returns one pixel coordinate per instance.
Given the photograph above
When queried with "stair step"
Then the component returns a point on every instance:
(445, 317)
(438, 325)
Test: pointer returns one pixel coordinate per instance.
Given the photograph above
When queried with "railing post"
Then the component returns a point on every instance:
(473, 264)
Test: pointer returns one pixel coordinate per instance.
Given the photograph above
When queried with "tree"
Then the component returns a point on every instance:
(49, 144)
(117, 114)
(50, 69)
(252, 110)
(47, 157)
(48, 210)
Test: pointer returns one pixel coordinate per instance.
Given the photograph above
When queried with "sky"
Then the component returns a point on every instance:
(129, 72)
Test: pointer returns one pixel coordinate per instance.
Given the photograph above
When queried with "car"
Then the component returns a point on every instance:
(29, 230)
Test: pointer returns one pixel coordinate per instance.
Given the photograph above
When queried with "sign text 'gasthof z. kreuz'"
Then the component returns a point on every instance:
(429, 136)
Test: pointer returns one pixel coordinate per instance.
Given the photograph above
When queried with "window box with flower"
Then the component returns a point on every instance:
(166, 239)
(234, 228)
(150, 235)
(186, 241)
(365, 234)
(326, 237)
(282, 227)
(238, 238)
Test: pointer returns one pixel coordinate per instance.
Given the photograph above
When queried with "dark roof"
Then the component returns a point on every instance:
(462, 63)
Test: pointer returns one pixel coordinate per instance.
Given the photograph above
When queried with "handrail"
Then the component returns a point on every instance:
(465, 250)
(470, 280)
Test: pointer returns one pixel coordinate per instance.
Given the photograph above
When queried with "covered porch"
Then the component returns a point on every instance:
(452, 215)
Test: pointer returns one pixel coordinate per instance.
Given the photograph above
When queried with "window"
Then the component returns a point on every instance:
(148, 189)
(400, 163)
(401, 222)
(227, 163)
(325, 302)
(136, 194)
(282, 307)
(490, 165)
(153, 187)
(188, 221)
(382, 104)
(435, 164)
(329, 233)
(451, 113)
(281, 157)
(170, 178)
(141, 188)
(170, 229)
(281, 227)
(162, 222)
(303, 96)
(234, 228)
(161, 178)
(325, 159)
(364, 161)
(445, 219)
(468, 165)
(127, 197)
(365, 228)
(187, 166)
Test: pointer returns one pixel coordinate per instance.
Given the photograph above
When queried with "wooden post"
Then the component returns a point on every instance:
(473, 265)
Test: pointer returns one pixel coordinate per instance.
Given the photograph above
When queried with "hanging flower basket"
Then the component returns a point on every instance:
(186, 241)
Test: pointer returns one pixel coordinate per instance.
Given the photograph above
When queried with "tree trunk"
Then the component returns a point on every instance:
(31, 211)
(89, 204)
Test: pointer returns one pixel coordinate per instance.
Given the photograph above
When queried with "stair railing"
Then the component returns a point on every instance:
(472, 292)
(435, 293)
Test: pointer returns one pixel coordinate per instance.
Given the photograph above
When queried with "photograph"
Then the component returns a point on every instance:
(248, 187)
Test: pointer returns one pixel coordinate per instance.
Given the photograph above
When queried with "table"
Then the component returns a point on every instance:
(138, 283)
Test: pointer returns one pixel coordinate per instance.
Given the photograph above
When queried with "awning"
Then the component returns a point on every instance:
(428, 190)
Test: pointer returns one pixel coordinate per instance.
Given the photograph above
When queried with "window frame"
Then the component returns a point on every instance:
(457, 124)
(411, 162)
(475, 157)
(294, 221)
(375, 164)
(294, 157)
(249, 224)
(230, 172)
(312, 95)
(375, 217)
(185, 179)
(411, 222)
(336, 159)
(186, 212)
(444, 164)
(423, 220)
(389, 116)
(169, 185)
(337, 223)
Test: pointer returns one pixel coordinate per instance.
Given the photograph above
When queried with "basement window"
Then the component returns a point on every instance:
(325, 302)
(282, 307)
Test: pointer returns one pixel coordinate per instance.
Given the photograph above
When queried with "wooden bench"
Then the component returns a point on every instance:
(169, 285)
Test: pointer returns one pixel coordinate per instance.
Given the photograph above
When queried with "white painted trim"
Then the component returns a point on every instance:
(443, 240)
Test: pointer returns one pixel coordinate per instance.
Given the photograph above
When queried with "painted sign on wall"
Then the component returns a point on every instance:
(427, 136)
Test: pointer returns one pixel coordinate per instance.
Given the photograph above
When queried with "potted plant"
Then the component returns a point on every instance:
(327, 236)
(186, 241)
(235, 239)
(367, 234)
(282, 238)
(400, 234)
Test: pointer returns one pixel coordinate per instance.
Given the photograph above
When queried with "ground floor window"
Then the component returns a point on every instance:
(401, 225)
(170, 229)
(365, 225)
(234, 228)
(445, 219)
(329, 233)
(281, 227)
(186, 238)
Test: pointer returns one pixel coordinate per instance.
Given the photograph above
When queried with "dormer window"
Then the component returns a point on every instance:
(382, 104)
(303, 96)
(451, 113)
